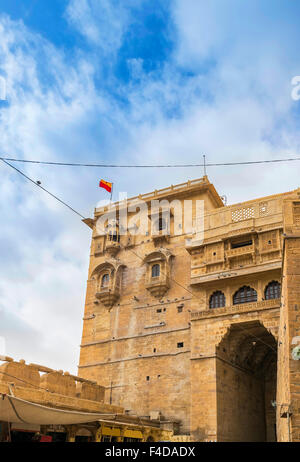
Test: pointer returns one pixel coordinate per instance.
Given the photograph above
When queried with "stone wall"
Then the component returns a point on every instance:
(240, 405)
(288, 401)
(42, 385)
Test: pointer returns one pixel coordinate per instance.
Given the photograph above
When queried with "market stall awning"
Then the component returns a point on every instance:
(16, 410)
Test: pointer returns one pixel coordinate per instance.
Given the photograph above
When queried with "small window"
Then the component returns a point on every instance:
(245, 295)
(105, 280)
(217, 300)
(154, 350)
(155, 271)
(180, 345)
(159, 311)
(272, 290)
(179, 309)
(147, 378)
(161, 224)
(237, 245)
(115, 236)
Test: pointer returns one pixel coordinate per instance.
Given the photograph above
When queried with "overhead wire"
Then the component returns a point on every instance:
(41, 187)
(191, 165)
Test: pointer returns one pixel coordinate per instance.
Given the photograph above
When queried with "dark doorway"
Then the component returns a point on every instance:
(22, 437)
(246, 384)
(83, 439)
(58, 437)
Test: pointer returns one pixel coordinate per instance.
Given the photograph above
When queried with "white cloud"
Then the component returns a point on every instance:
(102, 22)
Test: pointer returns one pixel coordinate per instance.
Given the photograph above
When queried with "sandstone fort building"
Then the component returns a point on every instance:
(200, 333)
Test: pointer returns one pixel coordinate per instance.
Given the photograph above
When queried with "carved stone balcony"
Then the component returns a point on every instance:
(160, 238)
(204, 277)
(158, 286)
(108, 296)
(112, 248)
(241, 251)
(234, 309)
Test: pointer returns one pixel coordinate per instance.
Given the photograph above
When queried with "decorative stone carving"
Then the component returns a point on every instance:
(158, 284)
(160, 238)
(108, 282)
(112, 248)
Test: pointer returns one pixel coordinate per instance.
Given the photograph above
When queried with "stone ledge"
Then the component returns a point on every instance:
(134, 336)
(154, 326)
(236, 272)
(236, 309)
(156, 355)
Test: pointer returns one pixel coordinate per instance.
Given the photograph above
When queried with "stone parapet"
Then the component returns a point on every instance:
(244, 308)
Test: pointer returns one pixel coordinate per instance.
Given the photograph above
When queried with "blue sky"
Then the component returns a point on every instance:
(136, 81)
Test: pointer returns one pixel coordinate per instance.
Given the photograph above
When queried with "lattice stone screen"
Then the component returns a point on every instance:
(242, 214)
(263, 209)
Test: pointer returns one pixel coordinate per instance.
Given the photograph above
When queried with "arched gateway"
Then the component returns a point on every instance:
(246, 362)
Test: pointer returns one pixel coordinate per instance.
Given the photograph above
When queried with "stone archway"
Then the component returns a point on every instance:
(246, 361)
(84, 435)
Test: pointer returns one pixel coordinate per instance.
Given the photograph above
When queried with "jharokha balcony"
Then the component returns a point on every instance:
(160, 238)
(112, 248)
(234, 253)
(158, 286)
(108, 295)
(234, 309)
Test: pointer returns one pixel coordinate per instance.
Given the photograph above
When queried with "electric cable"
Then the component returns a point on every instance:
(41, 187)
(95, 165)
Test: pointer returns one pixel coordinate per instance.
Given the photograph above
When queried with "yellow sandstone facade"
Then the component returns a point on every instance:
(200, 332)
(39, 391)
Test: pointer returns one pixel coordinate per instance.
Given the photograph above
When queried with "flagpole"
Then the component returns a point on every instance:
(112, 189)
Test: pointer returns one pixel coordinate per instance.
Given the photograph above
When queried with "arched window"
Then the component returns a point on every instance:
(116, 236)
(105, 280)
(245, 295)
(155, 271)
(161, 224)
(217, 300)
(272, 290)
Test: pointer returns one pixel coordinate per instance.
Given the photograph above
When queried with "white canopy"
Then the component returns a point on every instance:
(16, 410)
